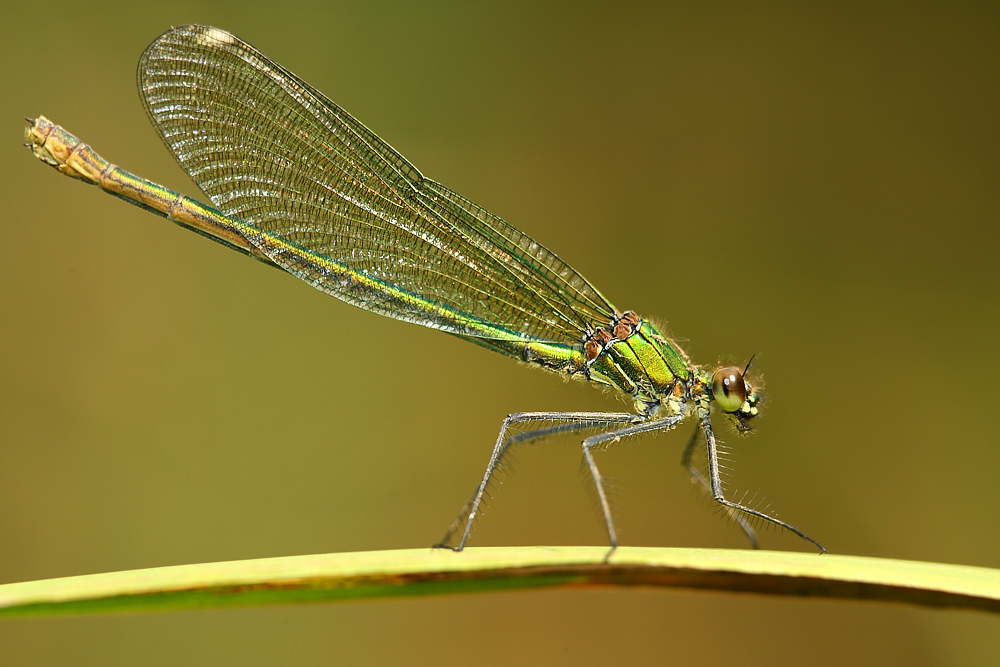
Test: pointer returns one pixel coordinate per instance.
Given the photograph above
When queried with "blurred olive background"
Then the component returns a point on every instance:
(819, 185)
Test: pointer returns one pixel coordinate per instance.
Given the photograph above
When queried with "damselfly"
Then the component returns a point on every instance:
(300, 184)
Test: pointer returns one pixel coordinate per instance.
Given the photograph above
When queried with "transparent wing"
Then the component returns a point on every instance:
(272, 151)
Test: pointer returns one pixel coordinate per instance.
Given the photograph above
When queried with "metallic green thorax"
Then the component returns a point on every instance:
(628, 353)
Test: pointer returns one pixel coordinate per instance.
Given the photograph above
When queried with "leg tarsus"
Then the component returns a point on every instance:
(717, 493)
(700, 480)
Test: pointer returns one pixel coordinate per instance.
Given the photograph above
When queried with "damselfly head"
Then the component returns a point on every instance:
(735, 396)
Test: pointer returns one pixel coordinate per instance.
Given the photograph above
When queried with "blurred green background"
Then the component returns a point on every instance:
(819, 185)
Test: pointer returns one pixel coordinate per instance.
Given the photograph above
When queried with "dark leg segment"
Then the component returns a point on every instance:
(593, 441)
(576, 421)
(635, 424)
(716, 485)
(698, 478)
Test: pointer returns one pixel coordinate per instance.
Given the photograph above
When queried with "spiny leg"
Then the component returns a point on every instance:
(527, 437)
(713, 470)
(697, 477)
(593, 441)
(576, 421)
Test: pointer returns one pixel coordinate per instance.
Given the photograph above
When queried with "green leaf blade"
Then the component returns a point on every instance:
(420, 572)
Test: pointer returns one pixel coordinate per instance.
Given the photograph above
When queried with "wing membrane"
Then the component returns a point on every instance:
(269, 149)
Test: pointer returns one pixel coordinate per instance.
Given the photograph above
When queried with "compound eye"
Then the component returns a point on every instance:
(729, 389)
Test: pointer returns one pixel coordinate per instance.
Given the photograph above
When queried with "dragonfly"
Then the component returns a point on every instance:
(299, 184)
